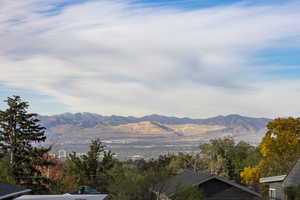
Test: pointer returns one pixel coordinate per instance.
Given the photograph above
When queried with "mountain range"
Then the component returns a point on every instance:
(148, 136)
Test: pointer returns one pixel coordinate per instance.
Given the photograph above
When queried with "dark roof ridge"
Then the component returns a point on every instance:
(207, 176)
(293, 177)
(244, 188)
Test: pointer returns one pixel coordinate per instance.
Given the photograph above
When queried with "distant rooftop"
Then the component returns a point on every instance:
(289, 180)
(272, 179)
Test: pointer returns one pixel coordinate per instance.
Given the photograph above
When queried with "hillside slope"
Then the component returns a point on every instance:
(149, 135)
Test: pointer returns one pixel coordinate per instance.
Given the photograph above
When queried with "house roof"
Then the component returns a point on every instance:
(7, 191)
(272, 179)
(290, 180)
(293, 178)
(197, 178)
(190, 177)
(63, 197)
(185, 178)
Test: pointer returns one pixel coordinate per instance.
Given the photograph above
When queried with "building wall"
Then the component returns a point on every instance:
(279, 190)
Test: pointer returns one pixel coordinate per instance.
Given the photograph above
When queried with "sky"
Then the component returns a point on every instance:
(185, 58)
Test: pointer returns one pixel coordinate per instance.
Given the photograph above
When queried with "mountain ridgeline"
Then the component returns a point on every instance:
(147, 136)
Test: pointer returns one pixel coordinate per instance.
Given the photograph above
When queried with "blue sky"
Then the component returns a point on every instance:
(194, 58)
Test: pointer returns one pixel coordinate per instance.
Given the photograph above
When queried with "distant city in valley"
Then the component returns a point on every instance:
(148, 136)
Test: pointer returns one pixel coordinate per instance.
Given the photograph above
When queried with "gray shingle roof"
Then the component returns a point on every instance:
(197, 178)
(191, 177)
(293, 178)
(10, 191)
(184, 179)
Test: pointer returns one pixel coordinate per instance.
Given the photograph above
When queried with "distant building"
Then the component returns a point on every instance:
(8, 192)
(62, 154)
(277, 184)
(213, 187)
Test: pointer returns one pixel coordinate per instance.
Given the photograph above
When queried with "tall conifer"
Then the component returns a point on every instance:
(20, 138)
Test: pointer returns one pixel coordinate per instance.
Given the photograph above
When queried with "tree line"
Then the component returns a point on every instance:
(24, 161)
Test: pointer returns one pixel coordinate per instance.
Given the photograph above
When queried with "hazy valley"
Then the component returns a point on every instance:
(147, 136)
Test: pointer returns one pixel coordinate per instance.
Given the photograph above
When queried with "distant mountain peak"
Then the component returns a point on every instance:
(134, 135)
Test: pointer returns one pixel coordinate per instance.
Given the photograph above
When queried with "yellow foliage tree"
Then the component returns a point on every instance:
(280, 148)
(250, 175)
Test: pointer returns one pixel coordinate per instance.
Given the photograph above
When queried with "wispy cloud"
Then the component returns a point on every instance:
(119, 57)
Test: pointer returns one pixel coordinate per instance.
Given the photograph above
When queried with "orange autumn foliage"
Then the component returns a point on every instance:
(54, 172)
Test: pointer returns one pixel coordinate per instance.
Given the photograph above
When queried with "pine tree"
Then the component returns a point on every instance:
(92, 169)
(20, 136)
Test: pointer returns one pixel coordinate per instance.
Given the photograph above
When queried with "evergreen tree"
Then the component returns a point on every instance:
(5, 173)
(92, 169)
(20, 135)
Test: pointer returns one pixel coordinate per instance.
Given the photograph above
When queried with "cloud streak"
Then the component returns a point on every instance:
(116, 57)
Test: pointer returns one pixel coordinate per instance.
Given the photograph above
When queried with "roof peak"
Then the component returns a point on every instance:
(190, 177)
(293, 178)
